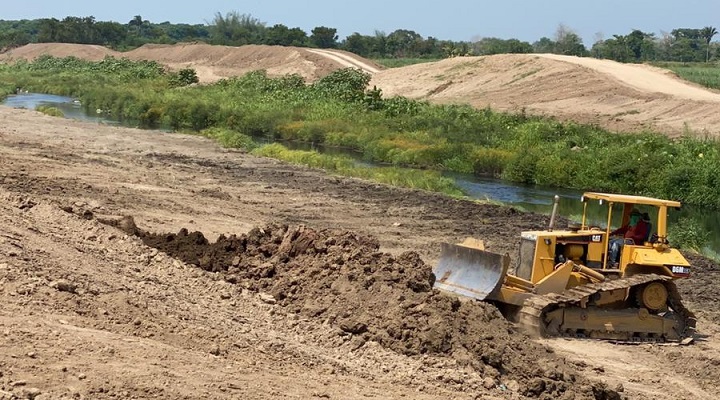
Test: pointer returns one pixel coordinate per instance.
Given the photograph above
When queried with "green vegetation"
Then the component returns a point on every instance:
(230, 139)
(688, 234)
(403, 62)
(681, 45)
(339, 110)
(345, 166)
(705, 74)
(51, 111)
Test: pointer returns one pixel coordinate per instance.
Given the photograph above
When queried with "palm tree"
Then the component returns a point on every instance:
(707, 33)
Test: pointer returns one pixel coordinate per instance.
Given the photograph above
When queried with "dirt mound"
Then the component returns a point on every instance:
(342, 278)
(616, 96)
(144, 316)
(35, 50)
(214, 62)
(702, 289)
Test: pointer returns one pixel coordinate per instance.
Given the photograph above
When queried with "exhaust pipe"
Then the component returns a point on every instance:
(554, 214)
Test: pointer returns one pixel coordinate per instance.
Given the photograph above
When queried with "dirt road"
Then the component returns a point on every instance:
(346, 59)
(89, 311)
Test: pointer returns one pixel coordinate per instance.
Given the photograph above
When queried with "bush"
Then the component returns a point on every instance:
(230, 139)
(51, 111)
(556, 170)
(311, 131)
(488, 161)
(522, 166)
(346, 84)
(688, 234)
(184, 77)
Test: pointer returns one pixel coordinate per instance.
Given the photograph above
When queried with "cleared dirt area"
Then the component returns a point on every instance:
(622, 97)
(136, 264)
(243, 277)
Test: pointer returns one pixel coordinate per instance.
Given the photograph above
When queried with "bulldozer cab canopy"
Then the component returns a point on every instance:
(628, 199)
(629, 202)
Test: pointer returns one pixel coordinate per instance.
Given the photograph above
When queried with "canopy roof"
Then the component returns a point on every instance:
(623, 198)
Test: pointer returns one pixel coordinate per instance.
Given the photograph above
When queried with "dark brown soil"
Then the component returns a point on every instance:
(327, 333)
(342, 278)
(702, 287)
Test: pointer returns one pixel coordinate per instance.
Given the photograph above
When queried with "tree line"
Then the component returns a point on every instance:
(236, 29)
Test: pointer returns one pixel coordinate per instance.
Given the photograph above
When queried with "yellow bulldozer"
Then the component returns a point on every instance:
(564, 283)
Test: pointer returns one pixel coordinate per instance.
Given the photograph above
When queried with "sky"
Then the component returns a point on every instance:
(457, 20)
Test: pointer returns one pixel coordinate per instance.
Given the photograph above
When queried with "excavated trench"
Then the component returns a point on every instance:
(343, 278)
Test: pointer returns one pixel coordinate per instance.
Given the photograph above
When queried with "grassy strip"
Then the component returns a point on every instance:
(403, 62)
(51, 111)
(345, 166)
(705, 74)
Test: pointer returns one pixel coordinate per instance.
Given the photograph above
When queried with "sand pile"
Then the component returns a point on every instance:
(35, 50)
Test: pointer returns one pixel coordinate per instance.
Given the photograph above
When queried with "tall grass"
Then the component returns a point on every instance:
(403, 62)
(51, 111)
(345, 166)
(705, 74)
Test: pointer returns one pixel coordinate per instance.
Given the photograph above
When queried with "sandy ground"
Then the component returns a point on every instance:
(621, 97)
(617, 96)
(90, 312)
(213, 62)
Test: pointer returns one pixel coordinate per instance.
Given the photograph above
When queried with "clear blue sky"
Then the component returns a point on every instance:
(527, 20)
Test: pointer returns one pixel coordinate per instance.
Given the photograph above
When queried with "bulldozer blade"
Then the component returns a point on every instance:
(470, 272)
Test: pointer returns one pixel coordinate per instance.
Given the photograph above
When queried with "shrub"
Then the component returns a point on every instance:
(688, 234)
(488, 161)
(556, 170)
(184, 77)
(230, 139)
(347, 84)
(522, 166)
(49, 110)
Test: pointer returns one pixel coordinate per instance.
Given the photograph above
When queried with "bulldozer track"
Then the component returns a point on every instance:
(531, 315)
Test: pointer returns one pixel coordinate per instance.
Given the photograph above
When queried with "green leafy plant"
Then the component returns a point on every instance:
(51, 111)
(688, 234)
(184, 77)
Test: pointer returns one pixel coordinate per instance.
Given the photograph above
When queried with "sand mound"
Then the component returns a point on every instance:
(35, 50)
(224, 61)
(616, 96)
(342, 278)
(214, 62)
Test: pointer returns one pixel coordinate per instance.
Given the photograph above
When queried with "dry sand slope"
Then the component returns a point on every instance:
(213, 62)
(617, 96)
(93, 311)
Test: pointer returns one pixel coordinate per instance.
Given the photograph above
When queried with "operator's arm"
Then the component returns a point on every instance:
(619, 231)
